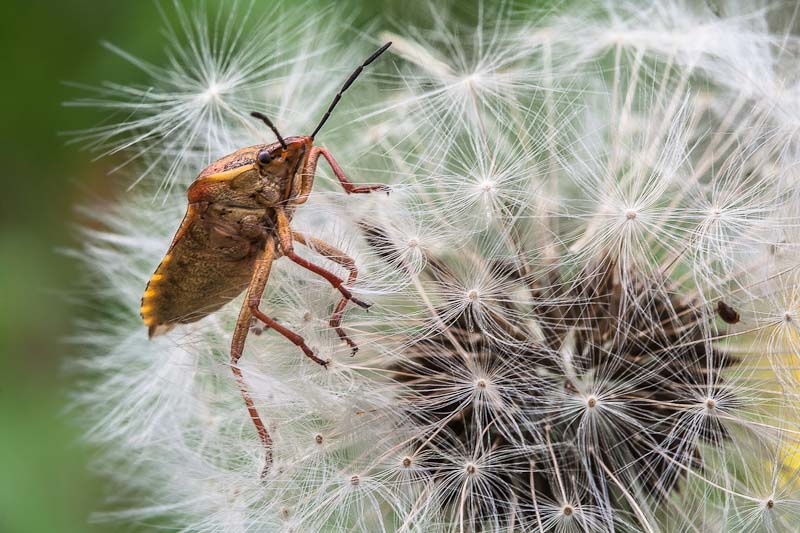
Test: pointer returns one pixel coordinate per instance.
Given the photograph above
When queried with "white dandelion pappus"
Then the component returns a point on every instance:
(544, 352)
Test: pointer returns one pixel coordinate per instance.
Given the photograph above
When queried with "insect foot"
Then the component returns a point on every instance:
(362, 304)
(348, 341)
(352, 189)
(322, 362)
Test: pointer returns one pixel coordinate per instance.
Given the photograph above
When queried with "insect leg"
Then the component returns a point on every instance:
(290, 335)
(251, 309)
(254, 292)
(310, 169)
(285, 239)
(341, 258)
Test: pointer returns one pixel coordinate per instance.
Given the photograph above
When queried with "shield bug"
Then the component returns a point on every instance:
(236, 224)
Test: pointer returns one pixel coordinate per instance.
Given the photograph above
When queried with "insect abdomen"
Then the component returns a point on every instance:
(204, 269)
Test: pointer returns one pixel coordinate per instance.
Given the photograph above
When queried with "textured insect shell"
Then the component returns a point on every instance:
(212, 256)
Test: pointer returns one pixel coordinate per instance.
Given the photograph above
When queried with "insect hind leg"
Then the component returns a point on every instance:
(340, 258)
(254, 292)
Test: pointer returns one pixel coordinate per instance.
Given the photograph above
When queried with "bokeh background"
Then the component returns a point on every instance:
(46, 484)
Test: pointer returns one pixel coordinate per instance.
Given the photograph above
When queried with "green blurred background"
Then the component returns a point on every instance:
(45, 481)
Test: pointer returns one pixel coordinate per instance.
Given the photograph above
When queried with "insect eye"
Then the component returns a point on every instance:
(264, 157)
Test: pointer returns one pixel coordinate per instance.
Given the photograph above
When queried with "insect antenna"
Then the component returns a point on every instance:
(269, 123)
(347, 84)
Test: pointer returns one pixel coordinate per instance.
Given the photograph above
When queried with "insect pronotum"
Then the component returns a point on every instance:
(236, 224)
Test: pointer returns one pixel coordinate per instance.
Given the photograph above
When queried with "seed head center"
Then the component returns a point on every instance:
(211, 93)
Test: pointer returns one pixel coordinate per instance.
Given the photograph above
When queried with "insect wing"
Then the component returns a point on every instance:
(208, 264)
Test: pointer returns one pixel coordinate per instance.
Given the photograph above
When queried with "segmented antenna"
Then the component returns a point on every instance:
(269, 123)
(347, 84)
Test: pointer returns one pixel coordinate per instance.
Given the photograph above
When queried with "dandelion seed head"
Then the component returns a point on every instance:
(545, 350)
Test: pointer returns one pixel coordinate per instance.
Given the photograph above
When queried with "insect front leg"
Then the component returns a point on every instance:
(341, 258)
(310, 169)
(285, 240)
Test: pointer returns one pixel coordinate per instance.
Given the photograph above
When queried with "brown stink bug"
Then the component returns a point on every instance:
(236, 224)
